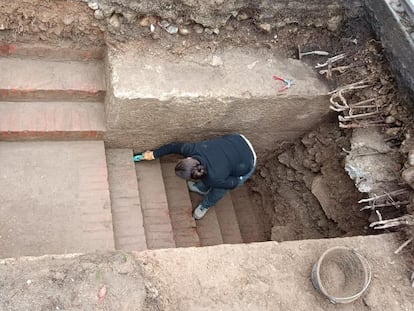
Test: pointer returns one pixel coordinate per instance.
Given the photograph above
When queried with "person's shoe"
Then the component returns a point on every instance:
(192, 187)
(199, 212)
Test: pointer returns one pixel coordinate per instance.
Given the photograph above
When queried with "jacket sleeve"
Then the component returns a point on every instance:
(184, 149)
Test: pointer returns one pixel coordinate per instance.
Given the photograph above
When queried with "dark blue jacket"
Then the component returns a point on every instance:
(225, 159)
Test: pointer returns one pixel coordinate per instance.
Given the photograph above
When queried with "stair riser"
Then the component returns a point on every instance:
(51, 95)
(49, 52)
(41, 135)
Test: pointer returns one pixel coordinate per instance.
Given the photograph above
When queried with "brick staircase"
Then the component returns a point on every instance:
(167, 205)
(55, 196)
(64, 192)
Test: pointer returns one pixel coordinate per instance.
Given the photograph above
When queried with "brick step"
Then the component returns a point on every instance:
(127, 217)
(227, 219)
(51, 120)
(54, 198)
(208, 227)
(179, 204)
(248, 216)
(157, 222)
(39, 50)
(38, 79)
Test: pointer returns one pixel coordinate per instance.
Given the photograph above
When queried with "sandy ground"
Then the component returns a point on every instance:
(258, 276)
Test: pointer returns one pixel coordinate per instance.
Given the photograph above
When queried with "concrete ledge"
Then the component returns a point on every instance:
(198, 96)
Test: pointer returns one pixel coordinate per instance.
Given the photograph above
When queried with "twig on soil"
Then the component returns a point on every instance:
(395, 204)
(412, 279)
(336, 106)
(357, 116)
(320, 53)
(328, 72)
(386, 194)
(406, 220)
(353, 86)
(399, 249)
(342, 105)
(379, 215)
(358, 104)
(361, 125)
(331, 60)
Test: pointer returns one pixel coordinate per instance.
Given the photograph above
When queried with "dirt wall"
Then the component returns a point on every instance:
(89, 22)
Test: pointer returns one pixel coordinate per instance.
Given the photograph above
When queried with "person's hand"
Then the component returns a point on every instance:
(148, 155)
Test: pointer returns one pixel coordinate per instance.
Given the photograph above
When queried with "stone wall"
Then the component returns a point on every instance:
(155, 99)
(396, 31)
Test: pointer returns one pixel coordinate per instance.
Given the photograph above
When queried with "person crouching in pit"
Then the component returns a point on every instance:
(211, 167)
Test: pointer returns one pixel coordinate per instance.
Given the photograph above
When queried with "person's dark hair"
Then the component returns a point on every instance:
(190, 168)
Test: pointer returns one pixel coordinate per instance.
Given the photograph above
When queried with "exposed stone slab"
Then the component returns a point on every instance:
(377, 170)
(155, 99)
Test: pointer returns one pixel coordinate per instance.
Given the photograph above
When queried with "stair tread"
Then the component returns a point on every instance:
(228, 222)
(127, 217)
(208, 227)
(251, 225)
(38, 50)
(38, 78)
(154, 204)
(55, 198)
(180, 208)
(24, 120)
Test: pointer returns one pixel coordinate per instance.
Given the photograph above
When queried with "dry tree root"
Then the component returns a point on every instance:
(406, 220)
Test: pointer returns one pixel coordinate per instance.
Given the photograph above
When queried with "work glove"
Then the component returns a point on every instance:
(147, 155)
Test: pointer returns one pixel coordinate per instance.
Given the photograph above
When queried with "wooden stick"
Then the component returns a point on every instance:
(403, 245)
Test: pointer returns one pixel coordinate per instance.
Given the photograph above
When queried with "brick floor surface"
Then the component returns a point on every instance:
(54, 198)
